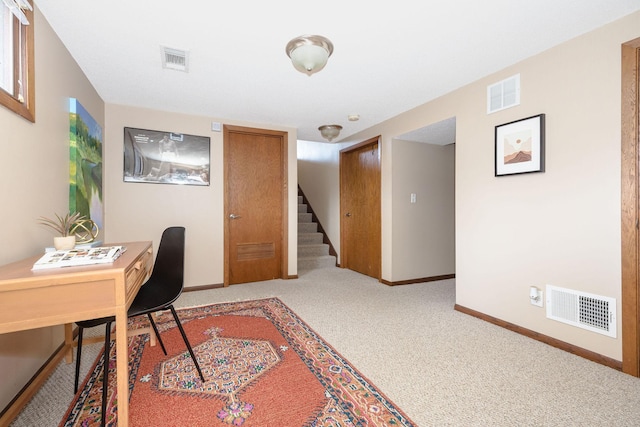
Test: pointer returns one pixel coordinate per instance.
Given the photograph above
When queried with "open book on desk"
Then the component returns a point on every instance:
(78, 257)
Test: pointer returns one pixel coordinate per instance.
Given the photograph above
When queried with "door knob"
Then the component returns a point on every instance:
(348, 214)
(234, 216)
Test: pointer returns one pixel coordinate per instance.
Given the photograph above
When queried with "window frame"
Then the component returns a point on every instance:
(23, 56)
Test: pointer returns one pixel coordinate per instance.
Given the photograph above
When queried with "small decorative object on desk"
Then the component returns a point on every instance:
(79, 257)
(86, 231)
(62, 243)
(72, 228)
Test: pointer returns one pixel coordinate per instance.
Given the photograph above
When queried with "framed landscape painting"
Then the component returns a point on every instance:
(161, 157)
(85, 163)
(519, 146)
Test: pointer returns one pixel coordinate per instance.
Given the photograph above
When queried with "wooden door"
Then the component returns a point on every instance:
(255, 204)
(360, 208)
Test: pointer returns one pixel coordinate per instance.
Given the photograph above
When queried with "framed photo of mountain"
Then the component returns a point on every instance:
(520, 146)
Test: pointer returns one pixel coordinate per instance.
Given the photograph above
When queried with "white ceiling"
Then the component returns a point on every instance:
(388, 57)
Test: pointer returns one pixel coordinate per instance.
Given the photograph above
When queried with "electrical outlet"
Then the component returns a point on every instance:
(536, 296)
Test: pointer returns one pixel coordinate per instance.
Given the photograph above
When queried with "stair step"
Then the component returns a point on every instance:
(313, 250)
(307, 227)
(302, 208)
(305, 217)
(310, 238)
(300, 199)
(326, 261)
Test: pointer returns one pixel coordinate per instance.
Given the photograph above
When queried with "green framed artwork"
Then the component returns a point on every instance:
(85, 164)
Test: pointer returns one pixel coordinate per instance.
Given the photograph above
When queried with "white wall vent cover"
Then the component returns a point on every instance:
(503, 94)
(175, 59)
(587, 311)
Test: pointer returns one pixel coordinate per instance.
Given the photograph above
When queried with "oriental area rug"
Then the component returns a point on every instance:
(263, 366)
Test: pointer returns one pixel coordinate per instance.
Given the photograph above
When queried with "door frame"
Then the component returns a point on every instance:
(344, 256)
(284, 235)
(630, 187)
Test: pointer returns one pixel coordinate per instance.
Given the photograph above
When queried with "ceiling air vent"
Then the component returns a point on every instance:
(175, 59)
(503, 94)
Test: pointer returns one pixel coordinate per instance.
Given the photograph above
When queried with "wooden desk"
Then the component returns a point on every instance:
(34, 299)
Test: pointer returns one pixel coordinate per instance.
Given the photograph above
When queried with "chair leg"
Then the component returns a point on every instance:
(155, 329)
(186, 341)
(105, 377)
(78, 355)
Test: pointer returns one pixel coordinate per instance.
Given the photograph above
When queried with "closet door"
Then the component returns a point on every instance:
(360, 224)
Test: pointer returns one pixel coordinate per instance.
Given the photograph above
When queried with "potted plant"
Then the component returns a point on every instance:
(63, 226)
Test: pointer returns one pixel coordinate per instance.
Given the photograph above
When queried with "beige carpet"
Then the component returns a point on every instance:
(440, 366)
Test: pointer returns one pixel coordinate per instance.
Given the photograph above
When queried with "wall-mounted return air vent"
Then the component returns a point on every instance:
(503, 94)
(175, 59)
(587, 311)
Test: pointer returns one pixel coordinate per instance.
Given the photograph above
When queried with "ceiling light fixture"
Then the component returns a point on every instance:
(309, 54)
(329, 132)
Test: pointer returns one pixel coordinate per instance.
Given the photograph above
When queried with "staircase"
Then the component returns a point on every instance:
(313, 253)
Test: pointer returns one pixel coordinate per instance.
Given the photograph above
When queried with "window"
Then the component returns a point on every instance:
(17, 83)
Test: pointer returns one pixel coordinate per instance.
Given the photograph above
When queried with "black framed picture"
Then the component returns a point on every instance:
(519, 146)
(166, 157)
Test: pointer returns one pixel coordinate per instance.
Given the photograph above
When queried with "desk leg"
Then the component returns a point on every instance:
(122, 367)
(68, 342)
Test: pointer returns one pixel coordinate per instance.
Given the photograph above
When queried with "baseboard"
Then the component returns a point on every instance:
(216, 286)
(202, 287)
(421, 280)
(570, 348)
(32, 387)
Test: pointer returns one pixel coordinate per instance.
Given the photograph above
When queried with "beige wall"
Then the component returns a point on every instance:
(140, 211)
(561, 227)
(35, 181)
(423, 233)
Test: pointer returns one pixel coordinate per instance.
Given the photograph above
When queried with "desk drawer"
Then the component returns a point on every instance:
(53, 305)
(137, 273)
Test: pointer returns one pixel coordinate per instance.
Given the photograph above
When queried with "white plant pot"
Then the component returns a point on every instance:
(64, 243)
